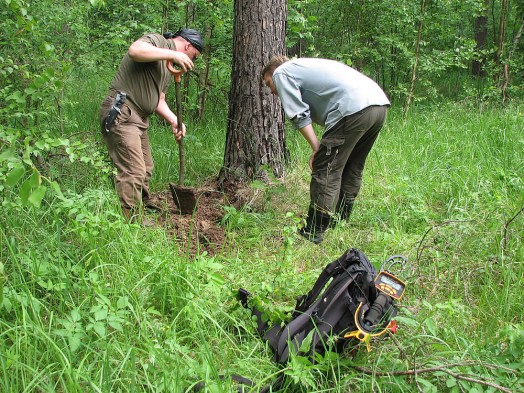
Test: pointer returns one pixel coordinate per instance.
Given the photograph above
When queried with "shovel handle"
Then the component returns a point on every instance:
(177, 74)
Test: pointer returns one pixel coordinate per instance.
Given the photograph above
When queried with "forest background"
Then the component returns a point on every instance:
(89, 302)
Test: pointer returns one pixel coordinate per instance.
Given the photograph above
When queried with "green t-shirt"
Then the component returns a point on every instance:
(144, 82)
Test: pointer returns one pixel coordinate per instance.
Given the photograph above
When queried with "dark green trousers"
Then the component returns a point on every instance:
(339, 163)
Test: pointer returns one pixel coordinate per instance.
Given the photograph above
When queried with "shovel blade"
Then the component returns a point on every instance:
(184, 197)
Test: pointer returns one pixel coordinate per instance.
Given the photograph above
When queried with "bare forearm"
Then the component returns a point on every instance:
(143, 52)
(309, 134)
(165, 112)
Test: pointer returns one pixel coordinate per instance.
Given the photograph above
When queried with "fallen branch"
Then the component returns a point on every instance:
(506, 225)
(421, 243)
(444, 368)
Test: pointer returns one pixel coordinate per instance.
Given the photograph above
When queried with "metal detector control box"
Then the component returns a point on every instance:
(390, 285)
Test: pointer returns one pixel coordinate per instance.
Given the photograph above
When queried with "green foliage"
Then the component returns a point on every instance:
(22, 181)
(233, 218)
(300, 27)
(32, 94)
(380, 37)
(89, 302)
(509, 345)
(83, 291)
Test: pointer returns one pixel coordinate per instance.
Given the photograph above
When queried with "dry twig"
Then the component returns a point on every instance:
(444, 368)
(506, 225)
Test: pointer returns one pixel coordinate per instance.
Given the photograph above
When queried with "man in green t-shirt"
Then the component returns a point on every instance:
(138, 90)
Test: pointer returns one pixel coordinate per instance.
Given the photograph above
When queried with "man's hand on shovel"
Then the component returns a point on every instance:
(182, 60)
(178, 132)
(177, 74)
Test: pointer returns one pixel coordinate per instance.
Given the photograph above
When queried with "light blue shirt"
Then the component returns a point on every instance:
(324, 91)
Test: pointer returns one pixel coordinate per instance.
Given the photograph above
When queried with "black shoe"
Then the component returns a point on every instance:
(316, 224)
(333, 223)
(315, 236)
(342, 212)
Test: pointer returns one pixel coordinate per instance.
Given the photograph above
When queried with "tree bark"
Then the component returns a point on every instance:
(255, 139)
(203, 76)
(515, 45)
(417, 55)
(165, 16)
(502, 30)
(481, 35)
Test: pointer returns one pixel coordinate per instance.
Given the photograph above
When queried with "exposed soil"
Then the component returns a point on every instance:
(200, 230)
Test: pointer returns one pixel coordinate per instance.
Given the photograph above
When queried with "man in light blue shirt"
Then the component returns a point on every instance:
(351, 107)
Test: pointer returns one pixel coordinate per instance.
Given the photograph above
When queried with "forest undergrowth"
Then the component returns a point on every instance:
(90, 302)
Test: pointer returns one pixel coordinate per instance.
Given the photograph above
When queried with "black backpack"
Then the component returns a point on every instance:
(343, 306)
(349, 303)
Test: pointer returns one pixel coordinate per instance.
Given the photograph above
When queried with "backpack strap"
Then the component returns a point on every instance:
(262, 324)
(328, 314)
(275, 385)
(242, 382)
(331, 269)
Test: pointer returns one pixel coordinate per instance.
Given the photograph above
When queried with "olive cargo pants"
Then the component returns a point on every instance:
(128, 145)
(339, 163)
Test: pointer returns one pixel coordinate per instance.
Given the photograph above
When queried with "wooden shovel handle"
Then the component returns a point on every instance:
(177, 74)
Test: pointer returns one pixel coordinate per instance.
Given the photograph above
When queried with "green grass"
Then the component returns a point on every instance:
(204, 152)
(91, 303)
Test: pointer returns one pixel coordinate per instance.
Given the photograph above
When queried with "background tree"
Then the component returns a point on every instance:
(417, 55)
(481, 35)
(509, 59)
(255, 128)
(379, 38)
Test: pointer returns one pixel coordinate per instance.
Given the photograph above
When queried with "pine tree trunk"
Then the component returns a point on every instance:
(255, 138)
(165, 16)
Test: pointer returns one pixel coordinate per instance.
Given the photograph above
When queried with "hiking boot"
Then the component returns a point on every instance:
(317, 223)
(343, 212)
(130, 215)
(315, 237)
(148, 222)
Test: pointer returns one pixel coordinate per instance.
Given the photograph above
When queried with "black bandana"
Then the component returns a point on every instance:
(190, 35)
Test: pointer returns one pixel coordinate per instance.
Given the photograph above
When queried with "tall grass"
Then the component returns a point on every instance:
(204, 145)
(91, 303)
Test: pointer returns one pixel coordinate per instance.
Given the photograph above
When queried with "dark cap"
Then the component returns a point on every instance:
(191, 36)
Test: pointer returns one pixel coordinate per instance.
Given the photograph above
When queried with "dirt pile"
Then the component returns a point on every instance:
(200, 231)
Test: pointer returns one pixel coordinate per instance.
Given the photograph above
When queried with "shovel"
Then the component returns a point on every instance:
(184, 197)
